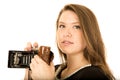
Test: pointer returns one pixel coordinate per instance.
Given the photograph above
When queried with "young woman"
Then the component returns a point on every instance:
(80, 46)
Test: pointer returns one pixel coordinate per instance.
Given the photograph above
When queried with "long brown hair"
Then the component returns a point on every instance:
(95, 51)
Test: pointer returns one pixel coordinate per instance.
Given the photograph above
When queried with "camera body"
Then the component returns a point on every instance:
(22, 59)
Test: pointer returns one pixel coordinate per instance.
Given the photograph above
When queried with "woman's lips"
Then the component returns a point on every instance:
(66, 42)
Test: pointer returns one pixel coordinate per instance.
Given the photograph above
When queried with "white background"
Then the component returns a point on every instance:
(23, 21)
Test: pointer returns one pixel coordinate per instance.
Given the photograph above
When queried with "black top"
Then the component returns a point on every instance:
(86, 73)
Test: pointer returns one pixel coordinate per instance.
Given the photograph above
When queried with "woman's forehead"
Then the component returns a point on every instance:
(68, 17)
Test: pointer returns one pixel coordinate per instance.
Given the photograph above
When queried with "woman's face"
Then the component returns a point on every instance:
(70, 39)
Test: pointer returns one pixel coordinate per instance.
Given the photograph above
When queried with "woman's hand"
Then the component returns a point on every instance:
(40, 70)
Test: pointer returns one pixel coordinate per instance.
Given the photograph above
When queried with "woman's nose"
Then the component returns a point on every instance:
(67, 33)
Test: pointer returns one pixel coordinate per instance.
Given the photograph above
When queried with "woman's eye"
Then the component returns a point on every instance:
(61, 26)
(76, 27)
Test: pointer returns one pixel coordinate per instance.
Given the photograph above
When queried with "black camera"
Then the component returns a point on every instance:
(22, 59)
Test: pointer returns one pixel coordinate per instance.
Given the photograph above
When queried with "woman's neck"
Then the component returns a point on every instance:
(76, 61)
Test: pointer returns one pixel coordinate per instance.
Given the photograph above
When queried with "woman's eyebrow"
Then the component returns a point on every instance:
(75, 23)
(71, 22)
(61, 22)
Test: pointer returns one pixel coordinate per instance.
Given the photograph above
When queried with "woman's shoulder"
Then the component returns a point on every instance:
(91, 72)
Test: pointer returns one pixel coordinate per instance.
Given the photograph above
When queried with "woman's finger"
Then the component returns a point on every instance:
(35, 46)
(38, 59)
(29, 46)
(25, 49)
(33, 63)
